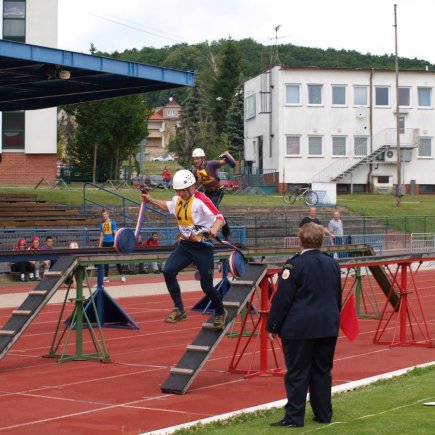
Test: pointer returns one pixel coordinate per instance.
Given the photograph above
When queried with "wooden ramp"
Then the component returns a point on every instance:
(197, 353)
(36, 300)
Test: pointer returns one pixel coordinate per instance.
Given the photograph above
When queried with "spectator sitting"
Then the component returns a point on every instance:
(35, 246)
(141, 266)
(47, 264)
(154, 241)
(70, 280)
(23, 267)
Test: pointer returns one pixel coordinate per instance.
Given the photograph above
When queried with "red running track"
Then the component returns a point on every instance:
(88, 397)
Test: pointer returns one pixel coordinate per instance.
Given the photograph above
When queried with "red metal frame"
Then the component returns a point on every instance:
(259, 340)
(406, 317)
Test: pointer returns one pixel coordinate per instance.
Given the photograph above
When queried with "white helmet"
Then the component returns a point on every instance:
(183, 179)
(198, 152)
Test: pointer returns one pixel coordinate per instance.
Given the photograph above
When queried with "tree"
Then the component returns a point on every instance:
(194, 125)
(228, 78)
(233, 127)
(108, 132)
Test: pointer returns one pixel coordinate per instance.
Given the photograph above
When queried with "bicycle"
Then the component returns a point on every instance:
(309, 196)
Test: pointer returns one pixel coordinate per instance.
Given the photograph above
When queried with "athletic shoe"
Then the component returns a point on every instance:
(106, 279)
(123, 278)
(219, 321)
(176, 316)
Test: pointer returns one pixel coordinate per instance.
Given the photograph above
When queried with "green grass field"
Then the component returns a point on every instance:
(365, 204)
(393, 406)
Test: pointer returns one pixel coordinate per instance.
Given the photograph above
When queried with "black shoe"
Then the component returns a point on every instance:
(283, 423)
(320, 421)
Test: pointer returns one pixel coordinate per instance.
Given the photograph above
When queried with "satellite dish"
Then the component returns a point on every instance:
(361, 112)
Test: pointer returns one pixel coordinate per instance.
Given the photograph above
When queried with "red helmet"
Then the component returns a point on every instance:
(35, 239)
(22, 242)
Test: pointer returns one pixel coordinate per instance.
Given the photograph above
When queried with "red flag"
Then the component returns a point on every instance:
(349, 320)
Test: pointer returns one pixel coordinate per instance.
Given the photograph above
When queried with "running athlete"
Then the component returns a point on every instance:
(198, 219)
(205, 172)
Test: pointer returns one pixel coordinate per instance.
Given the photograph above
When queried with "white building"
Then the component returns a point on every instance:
(28, 144)
(329, 125)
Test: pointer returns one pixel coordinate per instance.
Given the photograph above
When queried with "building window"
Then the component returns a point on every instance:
(338, 145)
(293, 145)
(315, 94)
(401, 124)
(424, 97)
(425, 147)
(360, 145)
(14, 20)
(360, 96)
(405, 97)
(382, 96)
(383, 179)
(13, 131)
(250, 107)
(338, 95)
(315, 146)
(292, 94)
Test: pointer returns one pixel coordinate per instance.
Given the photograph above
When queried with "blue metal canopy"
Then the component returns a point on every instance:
(35, 77)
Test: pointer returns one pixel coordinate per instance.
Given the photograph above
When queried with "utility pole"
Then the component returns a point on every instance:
(399, 192)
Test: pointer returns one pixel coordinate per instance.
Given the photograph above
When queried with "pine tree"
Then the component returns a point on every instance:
(194, 122)
(226, 81)
(233, 127)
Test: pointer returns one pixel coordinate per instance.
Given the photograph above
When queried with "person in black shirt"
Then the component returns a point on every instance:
(312, 219)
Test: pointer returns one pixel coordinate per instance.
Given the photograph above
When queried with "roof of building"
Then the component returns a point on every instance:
(35, 77)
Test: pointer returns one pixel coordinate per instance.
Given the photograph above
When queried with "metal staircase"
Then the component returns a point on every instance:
(384, 140)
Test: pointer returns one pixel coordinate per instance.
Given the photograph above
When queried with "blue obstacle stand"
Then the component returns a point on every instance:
(110, 314)
(205, 305)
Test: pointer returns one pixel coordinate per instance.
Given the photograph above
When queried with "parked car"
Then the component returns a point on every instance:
(228, 181)
(150, 181)
(168, 158)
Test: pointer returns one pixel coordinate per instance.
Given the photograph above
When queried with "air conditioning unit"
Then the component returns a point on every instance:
(391, 156)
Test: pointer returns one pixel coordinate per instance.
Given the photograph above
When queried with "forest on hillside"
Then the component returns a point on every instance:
(255, 58)
(95, 135)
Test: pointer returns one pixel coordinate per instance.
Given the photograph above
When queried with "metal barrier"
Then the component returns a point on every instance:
(381, 243)
(423, 242)
(89, 237)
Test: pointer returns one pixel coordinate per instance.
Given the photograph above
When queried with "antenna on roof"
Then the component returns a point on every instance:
(276, 60)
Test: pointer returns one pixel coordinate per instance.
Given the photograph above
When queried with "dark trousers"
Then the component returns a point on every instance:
(106, 266)
(309, 365)
(216, 197)
(201, 254)
(22, 267)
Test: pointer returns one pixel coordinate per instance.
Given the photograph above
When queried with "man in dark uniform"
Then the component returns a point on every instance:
(305, 315)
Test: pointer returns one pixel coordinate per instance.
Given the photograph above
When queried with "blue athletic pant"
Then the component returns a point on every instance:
(200, 254)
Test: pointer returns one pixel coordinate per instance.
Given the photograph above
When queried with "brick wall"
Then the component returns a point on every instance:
(21, 168)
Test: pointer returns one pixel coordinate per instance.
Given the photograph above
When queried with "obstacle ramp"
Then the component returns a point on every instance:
(183, 374)
(37, 298)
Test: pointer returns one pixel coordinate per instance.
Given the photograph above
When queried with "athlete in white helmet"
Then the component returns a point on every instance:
(205, 172)
(197, 219)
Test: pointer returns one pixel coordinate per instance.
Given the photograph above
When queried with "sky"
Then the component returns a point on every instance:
(366, 26)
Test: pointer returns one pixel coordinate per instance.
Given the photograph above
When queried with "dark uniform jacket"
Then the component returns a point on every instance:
(308, 299)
